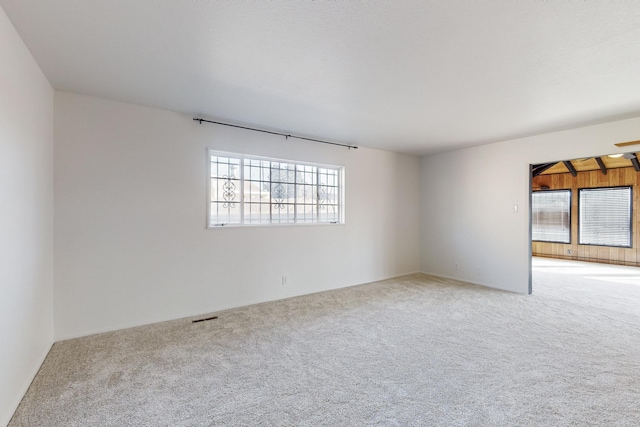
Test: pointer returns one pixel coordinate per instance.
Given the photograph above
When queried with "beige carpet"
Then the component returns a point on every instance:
(413, 351)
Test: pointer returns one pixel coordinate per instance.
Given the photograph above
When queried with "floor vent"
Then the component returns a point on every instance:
(203, 320)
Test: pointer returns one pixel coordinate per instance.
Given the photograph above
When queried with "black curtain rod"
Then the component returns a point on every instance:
(197, 119)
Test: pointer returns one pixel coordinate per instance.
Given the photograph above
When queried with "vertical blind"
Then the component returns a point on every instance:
(550, 216)
(605, 216)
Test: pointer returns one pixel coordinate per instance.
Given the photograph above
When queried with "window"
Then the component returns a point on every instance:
(551, 216)
(605, 216)
(248, 190)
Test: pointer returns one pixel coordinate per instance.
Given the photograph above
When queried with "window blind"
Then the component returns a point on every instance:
(550, 216)
(605, 216)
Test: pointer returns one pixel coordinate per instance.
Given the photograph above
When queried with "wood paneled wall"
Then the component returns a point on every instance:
(593, 179)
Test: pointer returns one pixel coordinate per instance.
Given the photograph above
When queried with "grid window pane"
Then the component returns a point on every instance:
(605, 216)
(550, 216)
(225, 190)
(248, 190)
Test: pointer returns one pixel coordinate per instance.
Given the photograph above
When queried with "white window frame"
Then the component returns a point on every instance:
(212, 222)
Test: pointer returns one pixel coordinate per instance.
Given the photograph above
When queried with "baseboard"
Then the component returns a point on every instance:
(178, 316)
(23, 390)
(397, 276)
(589, 259)
(457, 279)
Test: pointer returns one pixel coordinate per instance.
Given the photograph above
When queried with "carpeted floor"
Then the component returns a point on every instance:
(413, 351)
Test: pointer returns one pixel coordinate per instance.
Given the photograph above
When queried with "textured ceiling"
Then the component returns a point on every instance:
(414, 76)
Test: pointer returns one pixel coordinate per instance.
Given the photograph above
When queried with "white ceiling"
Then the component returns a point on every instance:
(415, 76)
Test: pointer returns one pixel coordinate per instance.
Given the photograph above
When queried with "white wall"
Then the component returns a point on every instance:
(130, 241)
(26, 218)
(468, 197)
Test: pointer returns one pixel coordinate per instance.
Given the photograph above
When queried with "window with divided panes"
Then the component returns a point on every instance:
(247, 190)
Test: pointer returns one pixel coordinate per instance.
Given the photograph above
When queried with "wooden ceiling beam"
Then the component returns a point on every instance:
(570, 167)
(603, 168)
(538, 169)
(626, 144)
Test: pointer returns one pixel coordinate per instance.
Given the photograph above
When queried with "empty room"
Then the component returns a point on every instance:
(319, 213)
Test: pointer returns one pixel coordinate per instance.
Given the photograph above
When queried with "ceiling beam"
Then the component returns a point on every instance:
(603, 168)
(569, 166)
(538, 169)
(626, 144)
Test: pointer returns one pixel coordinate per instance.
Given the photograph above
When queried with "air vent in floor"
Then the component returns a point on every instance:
(204, 320)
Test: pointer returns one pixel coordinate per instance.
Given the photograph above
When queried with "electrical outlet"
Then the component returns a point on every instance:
(457, 267)
(284, 279)
(569, 251)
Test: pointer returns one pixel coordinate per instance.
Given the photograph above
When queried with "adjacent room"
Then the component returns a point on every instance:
(319, 213)
(583, 209)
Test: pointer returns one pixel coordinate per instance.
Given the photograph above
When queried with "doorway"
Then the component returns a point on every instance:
(586, 210)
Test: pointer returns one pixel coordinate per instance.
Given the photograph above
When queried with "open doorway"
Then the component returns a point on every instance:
(585, 210)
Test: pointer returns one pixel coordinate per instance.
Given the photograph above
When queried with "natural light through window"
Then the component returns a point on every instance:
(550, 216)
(605, 216)
(247, 190)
